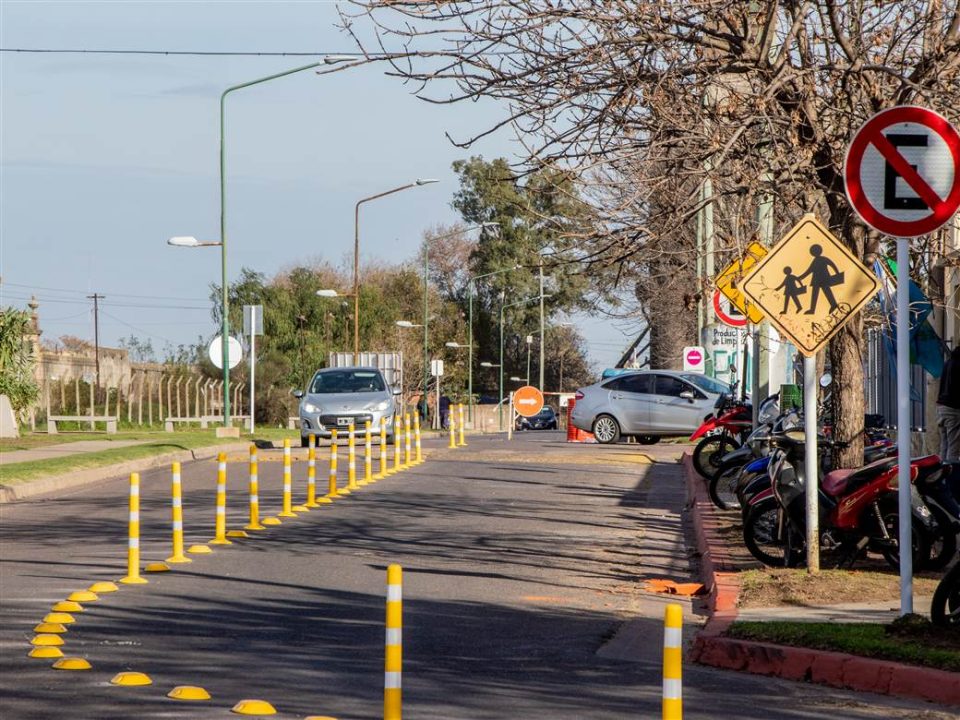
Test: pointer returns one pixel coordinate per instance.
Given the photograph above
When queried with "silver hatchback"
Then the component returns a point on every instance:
(648, 405)
(337, 397)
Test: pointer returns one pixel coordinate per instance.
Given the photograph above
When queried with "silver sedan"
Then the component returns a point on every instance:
(648, 405)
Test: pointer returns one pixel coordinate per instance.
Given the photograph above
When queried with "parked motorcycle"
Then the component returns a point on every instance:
(945, 607)
(941, 494)
(858, 510)
(720, 433)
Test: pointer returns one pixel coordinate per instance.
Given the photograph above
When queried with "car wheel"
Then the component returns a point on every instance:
(648, 439)
(606, 429)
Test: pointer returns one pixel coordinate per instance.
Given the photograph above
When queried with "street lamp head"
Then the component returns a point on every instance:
(514, 378)
(453, 345)
(489, 365)
(425, 181)
(183, 241)
(328, 293)
(404, 324)
(334, 59)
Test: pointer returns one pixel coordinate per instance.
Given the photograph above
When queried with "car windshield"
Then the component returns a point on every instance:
(347, 381)
(711, 385)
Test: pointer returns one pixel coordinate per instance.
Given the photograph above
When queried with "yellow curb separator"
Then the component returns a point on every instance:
(131, 678)
(188, 692)
(253, 707)
(72, 663)
(46, 652)
(103, 587)
(48, 627)
(83, 596)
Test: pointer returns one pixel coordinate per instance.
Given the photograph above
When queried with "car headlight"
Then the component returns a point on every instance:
(380, 406)
(311, 408)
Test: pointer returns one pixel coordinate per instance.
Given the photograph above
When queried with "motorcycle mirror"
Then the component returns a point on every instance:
(826, 379)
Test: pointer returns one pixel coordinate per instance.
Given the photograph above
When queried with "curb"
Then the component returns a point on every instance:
(79, 478)
(824, 667)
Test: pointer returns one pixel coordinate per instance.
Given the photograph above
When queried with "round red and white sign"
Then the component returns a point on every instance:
(902, 171)
(694, 359)
(726, 312)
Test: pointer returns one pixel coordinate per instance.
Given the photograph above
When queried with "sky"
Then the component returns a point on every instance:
(104, 157)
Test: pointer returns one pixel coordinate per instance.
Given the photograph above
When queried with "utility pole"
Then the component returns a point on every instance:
(96, 334)
(541, 332)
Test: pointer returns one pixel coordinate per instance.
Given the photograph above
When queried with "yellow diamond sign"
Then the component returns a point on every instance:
(809, 285)
(728, 282)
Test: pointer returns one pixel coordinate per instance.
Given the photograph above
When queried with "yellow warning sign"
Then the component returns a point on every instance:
(809, 285)
(728, 282)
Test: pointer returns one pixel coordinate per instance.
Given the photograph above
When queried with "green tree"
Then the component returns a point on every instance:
(16, 359)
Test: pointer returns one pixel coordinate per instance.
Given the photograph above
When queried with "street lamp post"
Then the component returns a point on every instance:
(186, 241)
(502, 308)
(471, 285)
(356, 256)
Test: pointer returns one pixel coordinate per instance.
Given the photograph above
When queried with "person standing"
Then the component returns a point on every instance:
(948, 409)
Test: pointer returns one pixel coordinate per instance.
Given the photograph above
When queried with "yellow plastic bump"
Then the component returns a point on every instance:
(83, 596)
(103, 587)
(300, 508)
(254, 707)
(131, 678)
(237, 533)
(67, 606)
(188, 692)
(49, 627)
(47, 640)
(319, 717)
(46, 652)
(59, 617)
(72, 663)
(199, 550)
(271, 521)
(157, 567)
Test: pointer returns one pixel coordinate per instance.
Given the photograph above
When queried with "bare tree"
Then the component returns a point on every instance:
(646, 101)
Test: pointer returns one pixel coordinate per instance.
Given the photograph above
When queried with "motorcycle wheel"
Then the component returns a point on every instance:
(723, 488)
(760, 534)
(943, 545)
(709, 452)
(891, 550)
(945, 608)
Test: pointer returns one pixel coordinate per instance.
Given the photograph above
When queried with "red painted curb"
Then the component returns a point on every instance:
(835, 669)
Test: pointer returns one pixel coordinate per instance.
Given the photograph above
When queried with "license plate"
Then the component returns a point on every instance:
(344, 422)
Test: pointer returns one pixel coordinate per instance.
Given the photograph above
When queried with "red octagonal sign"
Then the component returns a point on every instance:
(902, 171)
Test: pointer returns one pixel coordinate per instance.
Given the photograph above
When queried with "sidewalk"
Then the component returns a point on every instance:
(48, 452)
(722, 559)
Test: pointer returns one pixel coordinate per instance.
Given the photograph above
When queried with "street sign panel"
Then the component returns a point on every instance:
(436, 368)
(726, 311)
(694, 359)
(528, 401)
(728, 282)
(809, 285)
(253, 319)
(902, 171)
(234, 352)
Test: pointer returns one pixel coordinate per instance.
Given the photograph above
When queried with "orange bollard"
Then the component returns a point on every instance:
(133, 542)
(254, 492)
(220, 526)
(177, 512)
(287, 510)
(332, 491)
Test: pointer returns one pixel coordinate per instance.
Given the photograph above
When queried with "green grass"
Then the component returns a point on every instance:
(158, 444)
(918, 644)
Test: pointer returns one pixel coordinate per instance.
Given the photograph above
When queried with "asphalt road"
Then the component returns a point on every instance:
(523, 568)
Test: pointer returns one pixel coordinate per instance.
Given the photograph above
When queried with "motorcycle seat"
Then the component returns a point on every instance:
(836, 482)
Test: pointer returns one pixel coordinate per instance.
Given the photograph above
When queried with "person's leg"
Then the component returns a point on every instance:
(949, 421)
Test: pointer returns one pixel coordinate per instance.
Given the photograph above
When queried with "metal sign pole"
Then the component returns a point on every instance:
(811, 462)
(903, 424)
(512, 419)
(253, 362)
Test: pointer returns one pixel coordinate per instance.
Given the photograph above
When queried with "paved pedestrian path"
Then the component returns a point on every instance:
(868, 612)
(49, 452)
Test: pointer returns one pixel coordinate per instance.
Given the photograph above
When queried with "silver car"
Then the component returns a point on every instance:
(647, 404)
(337, 397)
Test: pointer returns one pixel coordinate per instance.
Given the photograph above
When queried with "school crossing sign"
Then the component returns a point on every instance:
(809, 285)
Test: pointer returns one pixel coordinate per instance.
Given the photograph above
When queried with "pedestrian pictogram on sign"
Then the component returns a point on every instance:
(809, 285)
(726, 311)
(902, 171)
(728, 282)
(528, 401)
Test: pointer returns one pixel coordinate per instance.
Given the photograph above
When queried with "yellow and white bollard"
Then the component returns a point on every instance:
(253, 490)
(416, 438)
(367, 454)
(352, 458)
(393, 656)
(451, 423)
(312, 473)
(407, 449)
(220, 525)
(177, 515)
(397, 440)
(287, 510)
(461, 425)
(384, 469)
(133, 542)
(332, 491)
(672, 662)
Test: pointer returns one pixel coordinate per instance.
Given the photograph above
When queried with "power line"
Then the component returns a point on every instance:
(116, 294)
(198, 53)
